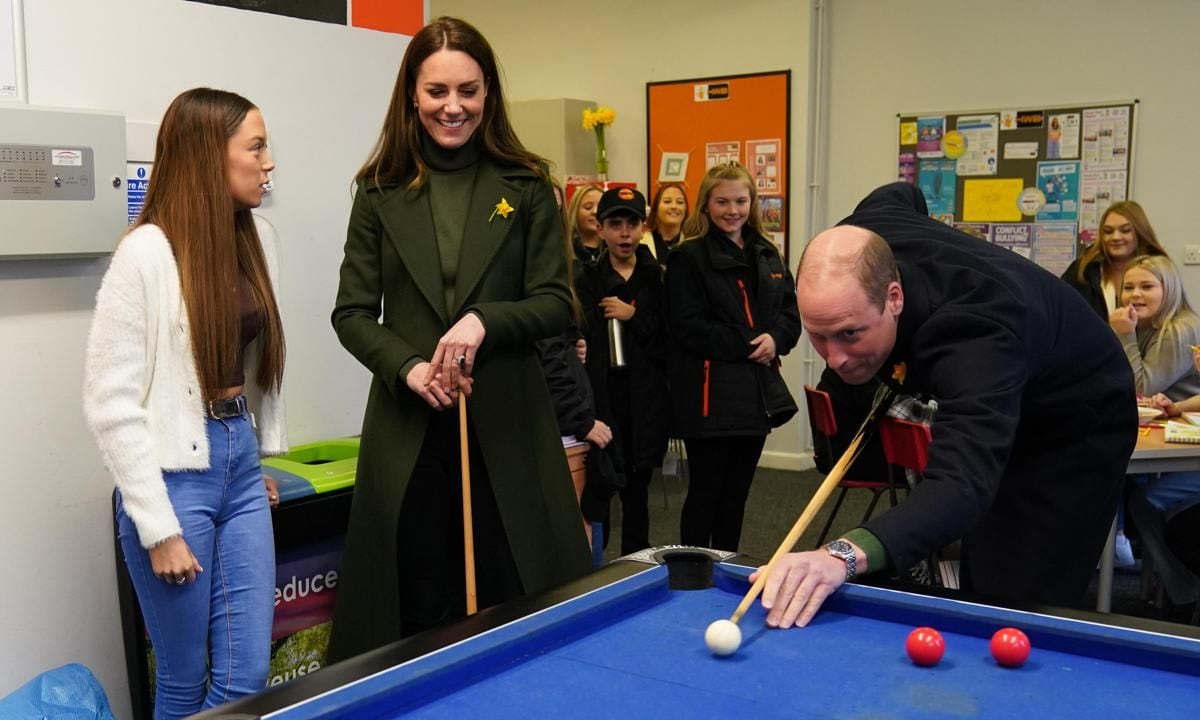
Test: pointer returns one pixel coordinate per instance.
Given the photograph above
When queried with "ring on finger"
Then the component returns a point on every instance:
(180, 580)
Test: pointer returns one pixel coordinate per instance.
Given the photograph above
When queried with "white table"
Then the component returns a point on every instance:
(1151, 455)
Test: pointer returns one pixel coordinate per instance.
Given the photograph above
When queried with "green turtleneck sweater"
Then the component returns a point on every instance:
(451, 182)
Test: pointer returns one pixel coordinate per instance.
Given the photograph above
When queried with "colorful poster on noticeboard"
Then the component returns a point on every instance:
(983, 231)
(762, 160)
(719, 153)
(1062, 137)
(1059, 181)
(907, 168)
(930, 131)
(936, 179)
(1054, 245)
(992, 200)
(1018, 238)
(771, 207)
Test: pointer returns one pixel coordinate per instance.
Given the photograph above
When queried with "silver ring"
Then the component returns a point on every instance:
(180, 580)
(461, 359)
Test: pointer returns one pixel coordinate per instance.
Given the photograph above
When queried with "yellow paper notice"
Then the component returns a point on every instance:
(992, 200)
(908, 133)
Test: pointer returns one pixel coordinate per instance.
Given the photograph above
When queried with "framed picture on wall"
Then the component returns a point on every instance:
(697, 123)
(673, 168)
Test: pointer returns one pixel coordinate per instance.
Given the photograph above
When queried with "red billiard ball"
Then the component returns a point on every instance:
(925, 646)
(1010, 647)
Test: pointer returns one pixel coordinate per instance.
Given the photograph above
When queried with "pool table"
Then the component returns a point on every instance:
(627, 642)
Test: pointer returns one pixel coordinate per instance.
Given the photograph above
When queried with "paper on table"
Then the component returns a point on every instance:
(1177, 432)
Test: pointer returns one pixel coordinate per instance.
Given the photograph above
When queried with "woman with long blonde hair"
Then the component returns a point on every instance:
(583, 230)
(1158, 328)
(731, 306)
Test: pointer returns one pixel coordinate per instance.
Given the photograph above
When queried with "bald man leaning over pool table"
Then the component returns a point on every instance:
(1036, 413)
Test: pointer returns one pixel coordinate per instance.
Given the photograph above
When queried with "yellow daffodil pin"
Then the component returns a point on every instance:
(899, 372)
(503, 209)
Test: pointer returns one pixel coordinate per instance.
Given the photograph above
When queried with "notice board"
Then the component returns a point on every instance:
(1035, 180)
(694, 124)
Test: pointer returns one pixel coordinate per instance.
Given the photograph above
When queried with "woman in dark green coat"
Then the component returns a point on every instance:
(454, 233)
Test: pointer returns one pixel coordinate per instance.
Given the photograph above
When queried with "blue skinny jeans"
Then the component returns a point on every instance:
(211, 638)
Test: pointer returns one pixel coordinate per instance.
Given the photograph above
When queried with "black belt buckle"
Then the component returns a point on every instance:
(221, 408)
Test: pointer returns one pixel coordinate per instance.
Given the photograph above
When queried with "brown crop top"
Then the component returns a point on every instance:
(251, 316)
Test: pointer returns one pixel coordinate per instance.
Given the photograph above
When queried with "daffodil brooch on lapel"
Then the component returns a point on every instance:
(503, 209)
(899, 372)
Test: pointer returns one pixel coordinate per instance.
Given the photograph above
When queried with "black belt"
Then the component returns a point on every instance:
(221, 408)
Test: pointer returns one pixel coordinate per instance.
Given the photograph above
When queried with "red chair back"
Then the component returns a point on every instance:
(820, 411)
(905, 443)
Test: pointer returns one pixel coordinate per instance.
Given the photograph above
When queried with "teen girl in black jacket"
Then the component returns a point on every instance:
(731, 313)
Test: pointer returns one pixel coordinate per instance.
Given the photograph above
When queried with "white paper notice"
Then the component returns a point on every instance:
(1054, 246)
(1020, 151)
(1098, 190)
(1106, 139)
(8, 51)
(981, 132)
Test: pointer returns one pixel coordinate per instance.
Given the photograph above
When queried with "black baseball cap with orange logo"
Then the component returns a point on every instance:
(621, 200)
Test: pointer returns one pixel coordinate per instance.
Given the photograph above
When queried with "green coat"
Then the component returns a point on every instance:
(512, 272)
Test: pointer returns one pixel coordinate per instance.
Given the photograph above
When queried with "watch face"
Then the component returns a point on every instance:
(839, 548)
(843, 551)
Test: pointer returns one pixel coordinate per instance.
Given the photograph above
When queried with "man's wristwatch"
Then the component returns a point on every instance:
(844, 551)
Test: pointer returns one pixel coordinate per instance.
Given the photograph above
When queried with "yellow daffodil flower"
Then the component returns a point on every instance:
(503, 209)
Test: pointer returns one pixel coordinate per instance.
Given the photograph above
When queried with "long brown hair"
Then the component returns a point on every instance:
(190, 200)
(1147, 241)
(396, 158)
(697, 223)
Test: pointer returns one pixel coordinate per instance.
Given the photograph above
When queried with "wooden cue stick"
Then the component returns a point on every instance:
(468, 523)
(814, 506)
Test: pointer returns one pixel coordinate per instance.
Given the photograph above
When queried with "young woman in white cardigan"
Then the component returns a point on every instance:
(186, 328)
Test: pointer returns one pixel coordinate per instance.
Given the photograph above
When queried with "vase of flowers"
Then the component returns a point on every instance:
(596, 119)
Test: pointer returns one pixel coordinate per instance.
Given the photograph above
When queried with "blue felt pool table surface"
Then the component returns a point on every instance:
(635, 648)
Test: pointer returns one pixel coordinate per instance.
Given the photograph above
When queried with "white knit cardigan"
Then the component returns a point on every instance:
(141, 391)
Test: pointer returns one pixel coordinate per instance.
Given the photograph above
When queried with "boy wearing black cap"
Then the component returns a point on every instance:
(623, 301)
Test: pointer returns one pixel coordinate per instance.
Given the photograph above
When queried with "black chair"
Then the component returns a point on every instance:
(824, 429)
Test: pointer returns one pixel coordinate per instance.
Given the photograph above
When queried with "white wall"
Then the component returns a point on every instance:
(609, 52)
(927, 55)
(322, 89)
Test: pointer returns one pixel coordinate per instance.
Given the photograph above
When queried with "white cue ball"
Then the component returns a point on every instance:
(723, 637)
